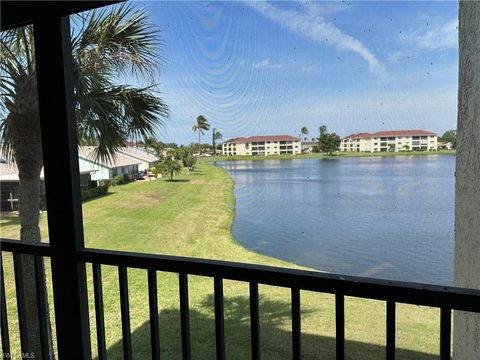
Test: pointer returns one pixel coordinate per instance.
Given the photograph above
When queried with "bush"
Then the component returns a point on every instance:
(189, 161)
(126, 178)
(118, 180)
(104, 182)
(92, 193)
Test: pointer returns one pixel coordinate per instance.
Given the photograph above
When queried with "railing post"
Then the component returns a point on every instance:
(445, 333)
(99, 311)
(153, 308)
(53, 56)
(125, 313)
(219, 318)
(340, 326)
(390, 329)
(3, 314)
(184, 315)
(296, 324)
(254, 322)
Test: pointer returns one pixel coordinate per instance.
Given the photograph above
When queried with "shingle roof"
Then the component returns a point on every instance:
(404, 133)
(9, 172)
(363, 135)
(366, 135)
(87, 153)
(240, 140)
(138, 154)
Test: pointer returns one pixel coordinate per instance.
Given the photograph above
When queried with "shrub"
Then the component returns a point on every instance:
(104, 182)
(189, 161)
(118, 180)
(92, 193)
(126, 178)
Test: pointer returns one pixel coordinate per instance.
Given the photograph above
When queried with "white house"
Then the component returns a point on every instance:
(147, 159)
(106, 169)
(9, 185)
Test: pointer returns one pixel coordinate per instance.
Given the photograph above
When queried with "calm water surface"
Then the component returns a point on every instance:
(390, 218)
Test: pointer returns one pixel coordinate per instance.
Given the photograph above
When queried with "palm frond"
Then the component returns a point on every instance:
(6, 146)
(110, 116)
(121, 39)
(105, 43)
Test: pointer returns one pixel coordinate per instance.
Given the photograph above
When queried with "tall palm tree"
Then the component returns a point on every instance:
(304, 132)
(200, 126)
(106, 45)
(216, 135)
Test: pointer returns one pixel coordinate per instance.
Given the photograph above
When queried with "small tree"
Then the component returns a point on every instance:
(304, 132)
(154, 170)
(189, 162)
(155, 146)
(450, 136)
(322, 130)
(216, 135)
(328, 142)
(200, 126)
(169, 167)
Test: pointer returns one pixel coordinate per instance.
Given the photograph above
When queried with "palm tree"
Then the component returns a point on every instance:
(170, 166)
(105, 44)
(216, 135)
(304, 132)
(322, 129)
(200, 126)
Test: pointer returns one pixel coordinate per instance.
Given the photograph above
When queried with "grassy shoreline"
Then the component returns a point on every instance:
(326, 156)
(193, 217)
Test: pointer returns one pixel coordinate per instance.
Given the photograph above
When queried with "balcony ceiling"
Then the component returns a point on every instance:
(20, 13)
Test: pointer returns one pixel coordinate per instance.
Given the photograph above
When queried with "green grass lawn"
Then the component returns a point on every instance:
(323, 155)
(193, 217)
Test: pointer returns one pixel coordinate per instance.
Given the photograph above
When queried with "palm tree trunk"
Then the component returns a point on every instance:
(466, 344)
(24, 125)
(199, 145)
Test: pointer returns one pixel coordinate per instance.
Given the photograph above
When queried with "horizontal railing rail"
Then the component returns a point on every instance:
(392, 292)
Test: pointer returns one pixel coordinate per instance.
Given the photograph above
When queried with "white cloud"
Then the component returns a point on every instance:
(312, 25)
(438, 35)
(266, 64)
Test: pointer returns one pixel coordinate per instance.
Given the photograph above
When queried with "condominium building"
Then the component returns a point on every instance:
(399, 140)
(262, 145)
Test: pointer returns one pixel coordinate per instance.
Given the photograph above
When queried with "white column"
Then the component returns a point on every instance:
(467, 189)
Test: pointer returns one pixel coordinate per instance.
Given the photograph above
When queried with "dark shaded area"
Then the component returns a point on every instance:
(98, 197)
(177, 180)
(275, 341)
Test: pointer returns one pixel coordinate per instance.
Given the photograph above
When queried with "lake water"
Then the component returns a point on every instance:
(384, 217)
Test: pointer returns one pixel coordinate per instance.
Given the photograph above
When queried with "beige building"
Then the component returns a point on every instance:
(399, 140)
(262, 145)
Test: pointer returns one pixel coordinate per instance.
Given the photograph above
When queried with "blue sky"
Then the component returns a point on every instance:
(273, 67)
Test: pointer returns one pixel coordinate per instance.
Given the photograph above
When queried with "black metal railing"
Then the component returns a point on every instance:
(392, 292)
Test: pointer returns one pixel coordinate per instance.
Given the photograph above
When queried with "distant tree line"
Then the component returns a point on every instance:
(449, 136)
(326, 142)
